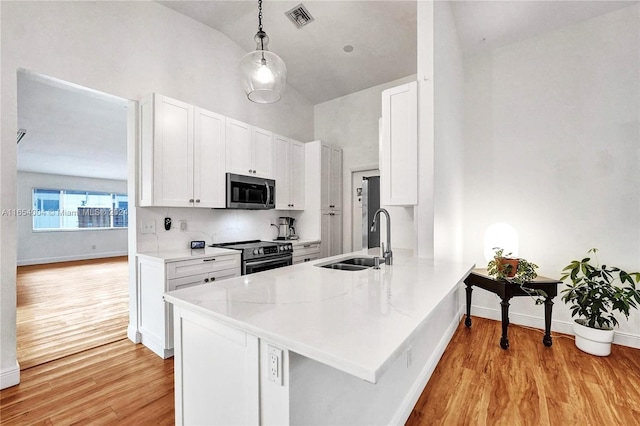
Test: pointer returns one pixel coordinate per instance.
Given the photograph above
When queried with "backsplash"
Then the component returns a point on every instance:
(210, 225)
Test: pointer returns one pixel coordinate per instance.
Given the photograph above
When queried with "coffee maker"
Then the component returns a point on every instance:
(286, 231)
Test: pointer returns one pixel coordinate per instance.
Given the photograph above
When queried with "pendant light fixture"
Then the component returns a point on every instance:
(263, 73)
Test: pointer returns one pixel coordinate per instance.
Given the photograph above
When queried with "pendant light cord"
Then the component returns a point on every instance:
(259, 15)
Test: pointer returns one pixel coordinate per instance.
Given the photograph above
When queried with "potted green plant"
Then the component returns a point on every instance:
(594, 298)
(515, 270)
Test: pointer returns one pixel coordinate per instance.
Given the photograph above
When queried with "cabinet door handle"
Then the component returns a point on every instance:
(249, 170)
(191, 200)
(197, 201)
(209, 260)
(306, 245)
(213, 278)
(206, 280)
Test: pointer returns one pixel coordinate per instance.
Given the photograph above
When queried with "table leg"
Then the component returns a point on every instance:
(467, 320)
(548, 305)
(504, 341)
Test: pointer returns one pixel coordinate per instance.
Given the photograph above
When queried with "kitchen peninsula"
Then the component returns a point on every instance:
(312, 345)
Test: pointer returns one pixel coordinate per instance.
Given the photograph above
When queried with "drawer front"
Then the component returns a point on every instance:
(305, 258)
(306, 249)
(178, 283)
(184, 282)
(204, 265)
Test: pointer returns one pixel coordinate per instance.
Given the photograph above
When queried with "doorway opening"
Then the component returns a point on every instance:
(72, 268)
(357, 204)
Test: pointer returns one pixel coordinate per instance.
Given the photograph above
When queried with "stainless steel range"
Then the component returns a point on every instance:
(260, 256)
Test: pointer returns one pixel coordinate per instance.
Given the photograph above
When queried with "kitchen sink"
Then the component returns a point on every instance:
(361, 261)
(345, 267)
(351, 264)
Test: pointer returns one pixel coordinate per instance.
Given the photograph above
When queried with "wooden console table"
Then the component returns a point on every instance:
(506, 290)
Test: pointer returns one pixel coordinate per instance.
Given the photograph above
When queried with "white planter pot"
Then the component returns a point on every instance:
(593, 341)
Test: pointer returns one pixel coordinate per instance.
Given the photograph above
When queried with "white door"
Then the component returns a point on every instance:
(262, 150)
(173, 162)
(238, 147)
(296, 177)
(209, 159)
(282, 169)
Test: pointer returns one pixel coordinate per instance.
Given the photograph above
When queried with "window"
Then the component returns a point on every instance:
(70, 209)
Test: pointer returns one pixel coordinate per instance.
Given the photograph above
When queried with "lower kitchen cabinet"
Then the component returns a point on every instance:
(162, 272)
(331, 232)
(305, 251)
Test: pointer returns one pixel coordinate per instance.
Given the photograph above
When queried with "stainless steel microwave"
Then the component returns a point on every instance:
(250, 192)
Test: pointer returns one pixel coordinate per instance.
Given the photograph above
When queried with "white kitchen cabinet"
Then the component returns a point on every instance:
(399, 145)
(305, 251)
(157, 275)
(331, 233)
(289, 173)
(249, 150)
(180, 148)
(323, 188)
(331, 177)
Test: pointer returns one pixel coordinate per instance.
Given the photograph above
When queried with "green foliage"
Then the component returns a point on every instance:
(594, 296)
(525, 272)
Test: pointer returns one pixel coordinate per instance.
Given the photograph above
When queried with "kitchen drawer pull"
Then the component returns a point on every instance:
(306, 245)
(209, 260)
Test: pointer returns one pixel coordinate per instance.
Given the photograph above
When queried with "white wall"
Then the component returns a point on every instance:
(552, 147)
(449, 138)
(60, 246)
(127, 49)
(351, 122)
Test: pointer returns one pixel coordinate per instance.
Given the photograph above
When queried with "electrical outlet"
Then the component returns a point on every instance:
(183, 225)
(409, 356)
(148, 227)
(274, 364)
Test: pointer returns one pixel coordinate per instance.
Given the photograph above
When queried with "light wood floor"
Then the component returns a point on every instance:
(475, 383)
(69, 307)
(478, 383)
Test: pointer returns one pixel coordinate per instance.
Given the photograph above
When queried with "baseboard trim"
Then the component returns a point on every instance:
(620, 338)
(411, 399)
(133, 334)
(10, 376)
(44, 260)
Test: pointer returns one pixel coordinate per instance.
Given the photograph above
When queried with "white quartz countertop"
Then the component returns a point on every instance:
(355, 321)
(186, 254)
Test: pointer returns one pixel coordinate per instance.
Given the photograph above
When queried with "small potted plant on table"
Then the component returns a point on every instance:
(594, 298)
(515, 270)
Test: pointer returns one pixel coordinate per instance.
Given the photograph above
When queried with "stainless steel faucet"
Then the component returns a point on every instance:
(387, 254)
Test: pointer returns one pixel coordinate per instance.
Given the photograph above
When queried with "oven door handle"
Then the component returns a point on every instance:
(272, 260)
(266, 202)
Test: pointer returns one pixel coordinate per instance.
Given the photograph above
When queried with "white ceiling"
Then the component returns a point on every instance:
(382, 33)
(80, 132)
(71, 130)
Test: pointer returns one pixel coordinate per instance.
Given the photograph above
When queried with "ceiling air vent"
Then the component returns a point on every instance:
(299, 15)
(21, 133)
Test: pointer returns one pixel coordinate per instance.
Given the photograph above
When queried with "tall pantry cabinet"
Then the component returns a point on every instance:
(324, 193)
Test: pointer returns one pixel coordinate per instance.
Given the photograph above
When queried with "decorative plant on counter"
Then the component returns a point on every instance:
(515, 270)
(593, 295)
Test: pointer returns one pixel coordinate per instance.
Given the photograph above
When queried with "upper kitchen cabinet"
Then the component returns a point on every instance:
(289, 174)
(331, 177)
(399, 146)
(181, 161)
(249, 150)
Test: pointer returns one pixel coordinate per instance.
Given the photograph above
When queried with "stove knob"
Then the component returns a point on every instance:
(261, 250)
(282, 248)
(255, 251)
